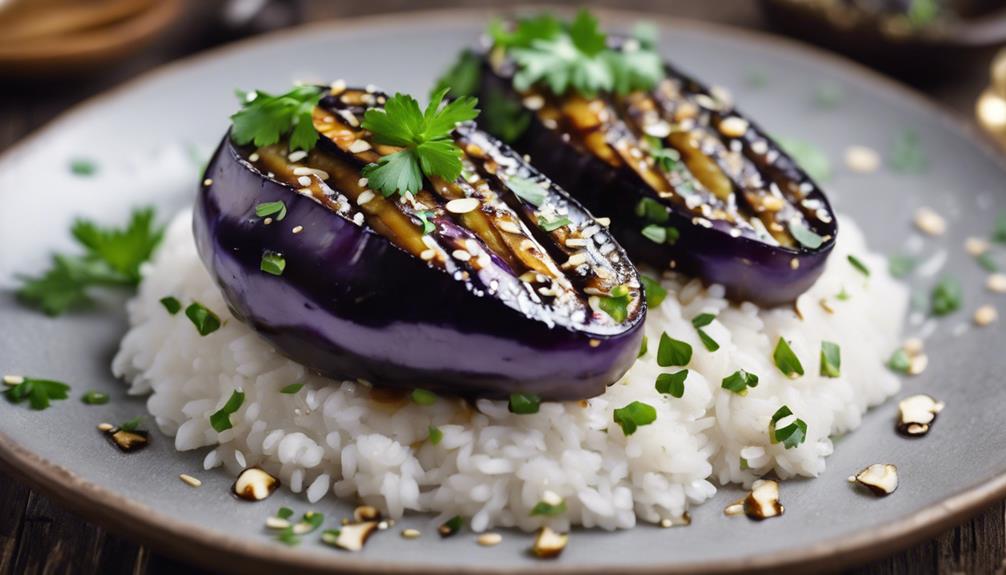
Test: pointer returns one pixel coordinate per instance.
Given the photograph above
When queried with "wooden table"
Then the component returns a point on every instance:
(37, 536)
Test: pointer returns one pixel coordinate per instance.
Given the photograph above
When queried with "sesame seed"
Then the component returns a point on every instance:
(337, 87)
(304, 181)
(365, 197)
(794, 264)
(603, 221)
(276, 523)
(594, 342)
(105, 427)
(576, 259)
(862, 159)
(930, 222)
(297, 229)
(996, 283)
(918, 364)
(576, 242)
(297, 156)
(534, 102)
(13, 380)
(267, 221)
(359, 146)
(986, 315)
(733, 127)
(551, 497)
(253, 157)
(489, 539)
(192, 481)
(461, 255)
(208, 182)
(410, 534)
(427, 255)
(913, 346)
(976, 246)
(358, 219)
(362, 182)
(462, 206)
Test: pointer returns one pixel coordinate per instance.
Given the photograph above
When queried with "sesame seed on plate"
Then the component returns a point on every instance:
(410, 534)
(267, 221)
(13, 380)
(358, 219)
(976, 246)
(489, 539)
(996, 283)
(862, 159)
(276, 523)
(918, 364)
(462, 205)
(105, 427)
(930, 222)
(603, 221)
(365, 197)
(427, 255)
(192, 481)
(337, 87)
(253, 157)
(733, 127)
(359, 146)
(986, 315)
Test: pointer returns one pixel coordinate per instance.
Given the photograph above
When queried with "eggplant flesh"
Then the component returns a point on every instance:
(690, 183)
(463, 288)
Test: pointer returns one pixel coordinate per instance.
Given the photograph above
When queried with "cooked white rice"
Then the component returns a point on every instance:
(493, 466)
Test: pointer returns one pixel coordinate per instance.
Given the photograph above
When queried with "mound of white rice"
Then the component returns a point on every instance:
(493, 466)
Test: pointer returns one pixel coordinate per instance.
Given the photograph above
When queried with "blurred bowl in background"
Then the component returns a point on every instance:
(919, 40)
(46, 37)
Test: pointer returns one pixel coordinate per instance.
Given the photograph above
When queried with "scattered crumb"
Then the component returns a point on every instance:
(410, 534)
(930, 222)
(862, 159)
(986, 315)
(996, 283)
(976, 246)
(489, 539)
(192, 481)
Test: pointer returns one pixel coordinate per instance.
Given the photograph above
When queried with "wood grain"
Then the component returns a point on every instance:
(38, 537)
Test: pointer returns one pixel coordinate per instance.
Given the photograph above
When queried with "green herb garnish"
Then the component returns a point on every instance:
(642, 348)
(94, 398)
(999, 233)
(907, 154)
(451, 526)
(221, 419)
(504, 117)
(661, 235)
(131, 424)
(667, 159)
(171, 304)
(528, 190)
(524, 403)
(655, 293)
(272, 263)
(739, 382)
(284, 513)
(83, 167)
(803, 234)
(987, 262)
(652, 211)
(268, 209)
(424, 219)
(700, 321)
(462, 78)
(946, 296)
(673, 352)
(616, 305)
(672, 384)
(791, 435)
(551, 226)
(859, 265)
(831, 359)
(434, 435)
(808, 156)
(634, 415)
(900, 266)
(922, 13)
(787, 361)
(292, 388)
(330, 536)
(423, 397)
(549, 510)
(425, 137)
(899, 362)
(112, 258)
(38, 392)
(265, 118)
(206, 321)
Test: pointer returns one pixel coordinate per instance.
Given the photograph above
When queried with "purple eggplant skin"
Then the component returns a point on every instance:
(748, 269)
(352, 305)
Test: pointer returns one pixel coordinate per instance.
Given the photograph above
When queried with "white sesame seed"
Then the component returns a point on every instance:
(918, 364)
(304, 181)
(13, 380)
(297, 229)
(105, 427)
(862, 159)
(462, 205)
(461, 255)
(489, 539)
(930, 222)
(359, 146)
(996, 283)
(913, 346)
(208, 182)
(337, 87)
(794, 264)
(192, 481)
(551, 498)
(577, 242)
(358, 219)
(976, 246)
(267, 221)
(410, 534)
(365, 197)
(427, 255)
(362, 182)
(603, 221)
(733, 127)
(253, 157)
(986, 315)
(534, 102)
(297, 156)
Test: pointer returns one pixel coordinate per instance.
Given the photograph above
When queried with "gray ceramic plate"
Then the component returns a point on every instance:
(955, 470)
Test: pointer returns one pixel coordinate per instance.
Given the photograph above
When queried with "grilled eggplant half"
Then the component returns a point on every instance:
(689, 183)
(492, 284)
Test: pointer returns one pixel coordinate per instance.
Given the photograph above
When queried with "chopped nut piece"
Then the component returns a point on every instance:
(105, 427)
(254, 484)
(930, 222)
(986, 315)
(880, 478)
(462, 205)
(352, 537)
(763, 501)
(917, 364)
(489, 539)
(548, 544)
(917, 413)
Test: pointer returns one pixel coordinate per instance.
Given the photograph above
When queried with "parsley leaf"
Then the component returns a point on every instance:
(672, 384)
(739, 382)
(616, 305)
(267, 118)
(221, 419)
(530, 191)
(946, 296)
(655, 293)
(425, 137)
(462, 78)
(112, 258)
(634, 415)
(700, 321)
(38, 392)
(803, 234)
(203, 318)
(673, 352)
(551, 226)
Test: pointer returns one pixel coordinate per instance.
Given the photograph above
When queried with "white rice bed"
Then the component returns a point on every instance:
(493, 466)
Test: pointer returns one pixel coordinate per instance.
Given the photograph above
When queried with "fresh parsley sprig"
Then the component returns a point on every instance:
(425, 139)
(112, 258)
(265, 118)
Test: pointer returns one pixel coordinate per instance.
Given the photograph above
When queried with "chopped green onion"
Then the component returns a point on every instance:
(131, 424)
(859, 265)
(524, 403)
(330, 536)
(284, 513)
(642, 348)
(221, 419)
(551, 226)
(548, 509)
(655, 293)
(907, 154)
(672, 384)
(423, 397)
(899, 362)
(267, 209)
(94, 398)
(527, 190)
(206, 321)
(661, 235)
(652, 210)
(900, 266)
(451, 526)
(987, 262)
(999, 233)
(791, 435)
(803, 234)
(171, 304)
(786, 360)
(946, 297)
(831, 359)
(292, 388)
(739, 382)
(673, 352)
(273, 263)
(617, 304)
(83, 167)
(634, 415)
(434, 435)
(424, 217)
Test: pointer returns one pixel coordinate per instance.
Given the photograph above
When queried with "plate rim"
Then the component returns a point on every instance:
(211, 548)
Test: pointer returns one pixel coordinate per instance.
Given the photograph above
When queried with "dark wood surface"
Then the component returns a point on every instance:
(39, 537)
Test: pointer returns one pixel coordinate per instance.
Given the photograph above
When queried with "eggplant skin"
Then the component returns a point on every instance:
(352, 305)
(748, 269)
